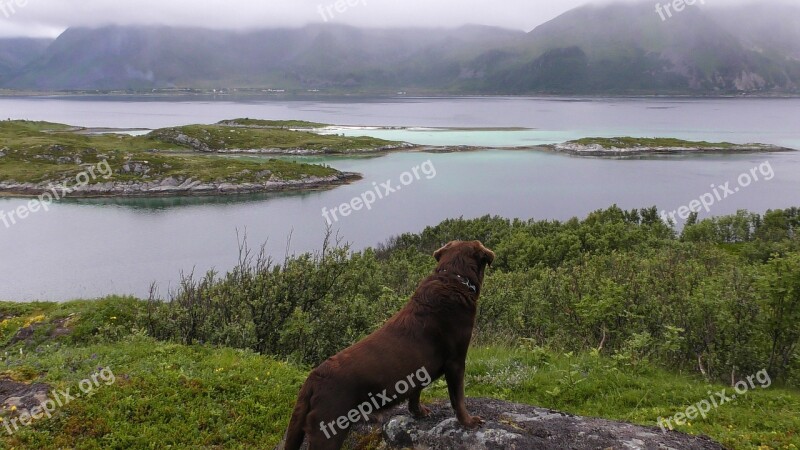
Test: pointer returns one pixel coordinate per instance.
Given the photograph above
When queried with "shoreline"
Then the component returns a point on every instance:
(188, 187)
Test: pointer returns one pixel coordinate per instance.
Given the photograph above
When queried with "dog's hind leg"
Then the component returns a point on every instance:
(295, 433)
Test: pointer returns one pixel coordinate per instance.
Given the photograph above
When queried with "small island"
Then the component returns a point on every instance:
(189, 160)
(630, 146)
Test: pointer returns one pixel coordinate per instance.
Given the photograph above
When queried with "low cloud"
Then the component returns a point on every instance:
(50, 17)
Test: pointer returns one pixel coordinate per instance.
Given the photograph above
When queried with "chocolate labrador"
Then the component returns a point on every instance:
(427, 339)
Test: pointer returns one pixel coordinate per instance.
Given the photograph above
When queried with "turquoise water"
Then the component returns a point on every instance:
(477, 138)
(527, 138)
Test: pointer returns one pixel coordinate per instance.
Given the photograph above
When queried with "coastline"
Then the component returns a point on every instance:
(172, 187)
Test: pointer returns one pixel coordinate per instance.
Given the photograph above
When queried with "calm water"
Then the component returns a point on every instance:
(90, 248)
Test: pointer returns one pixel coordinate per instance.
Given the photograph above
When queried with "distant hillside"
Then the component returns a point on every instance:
(17, 53)
(627, 48)
(610, 49)
(316, 56)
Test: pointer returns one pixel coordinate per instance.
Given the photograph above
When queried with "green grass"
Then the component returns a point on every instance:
(256, 123)
(43, 152)
(219, 137)
(631, 142)
(200, 397)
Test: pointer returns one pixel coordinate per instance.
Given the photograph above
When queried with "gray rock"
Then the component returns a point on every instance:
(170, 182)
(515, 426)
(22, 396)
(136, 167)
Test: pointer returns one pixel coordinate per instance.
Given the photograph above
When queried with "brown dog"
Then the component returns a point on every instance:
(428, 338)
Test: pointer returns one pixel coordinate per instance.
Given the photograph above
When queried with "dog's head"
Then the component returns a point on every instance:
(466, 258)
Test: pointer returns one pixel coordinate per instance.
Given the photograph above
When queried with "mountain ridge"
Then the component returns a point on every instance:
(617, 48)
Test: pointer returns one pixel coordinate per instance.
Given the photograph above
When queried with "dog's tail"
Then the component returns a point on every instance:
(295, 434)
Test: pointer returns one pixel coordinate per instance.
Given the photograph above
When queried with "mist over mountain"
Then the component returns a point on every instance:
(608, 49)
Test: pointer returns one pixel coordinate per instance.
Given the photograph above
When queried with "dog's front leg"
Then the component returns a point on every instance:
(454, 374)
(417, 409)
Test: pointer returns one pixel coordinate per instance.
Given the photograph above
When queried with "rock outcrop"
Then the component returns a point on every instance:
(514, 426)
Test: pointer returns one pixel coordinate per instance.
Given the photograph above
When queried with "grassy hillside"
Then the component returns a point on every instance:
(615, 315)
(280, 124)
(209, 138)
(170, 394)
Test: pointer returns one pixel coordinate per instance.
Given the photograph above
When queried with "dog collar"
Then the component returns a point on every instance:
(463, 280)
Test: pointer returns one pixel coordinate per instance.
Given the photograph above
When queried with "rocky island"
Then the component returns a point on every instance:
(193, 160)
(630, 146)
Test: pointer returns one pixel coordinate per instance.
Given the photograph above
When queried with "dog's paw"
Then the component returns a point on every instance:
(473, 422)
(422, 412)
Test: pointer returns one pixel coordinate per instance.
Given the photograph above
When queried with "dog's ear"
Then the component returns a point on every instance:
(486, 255)
(438, 253)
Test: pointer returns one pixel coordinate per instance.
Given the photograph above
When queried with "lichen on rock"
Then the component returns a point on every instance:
(514, 426)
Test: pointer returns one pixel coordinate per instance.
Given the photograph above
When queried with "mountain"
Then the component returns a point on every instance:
(316, 56)
(623, 48)
(627, 48)
(17, 53)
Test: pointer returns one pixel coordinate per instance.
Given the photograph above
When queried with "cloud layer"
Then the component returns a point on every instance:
(50, 17)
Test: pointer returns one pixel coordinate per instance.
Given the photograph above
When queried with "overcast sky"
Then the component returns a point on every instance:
(50, 17)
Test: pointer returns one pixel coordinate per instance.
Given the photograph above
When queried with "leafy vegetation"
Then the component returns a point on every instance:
(616, 315)
(632, 142)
